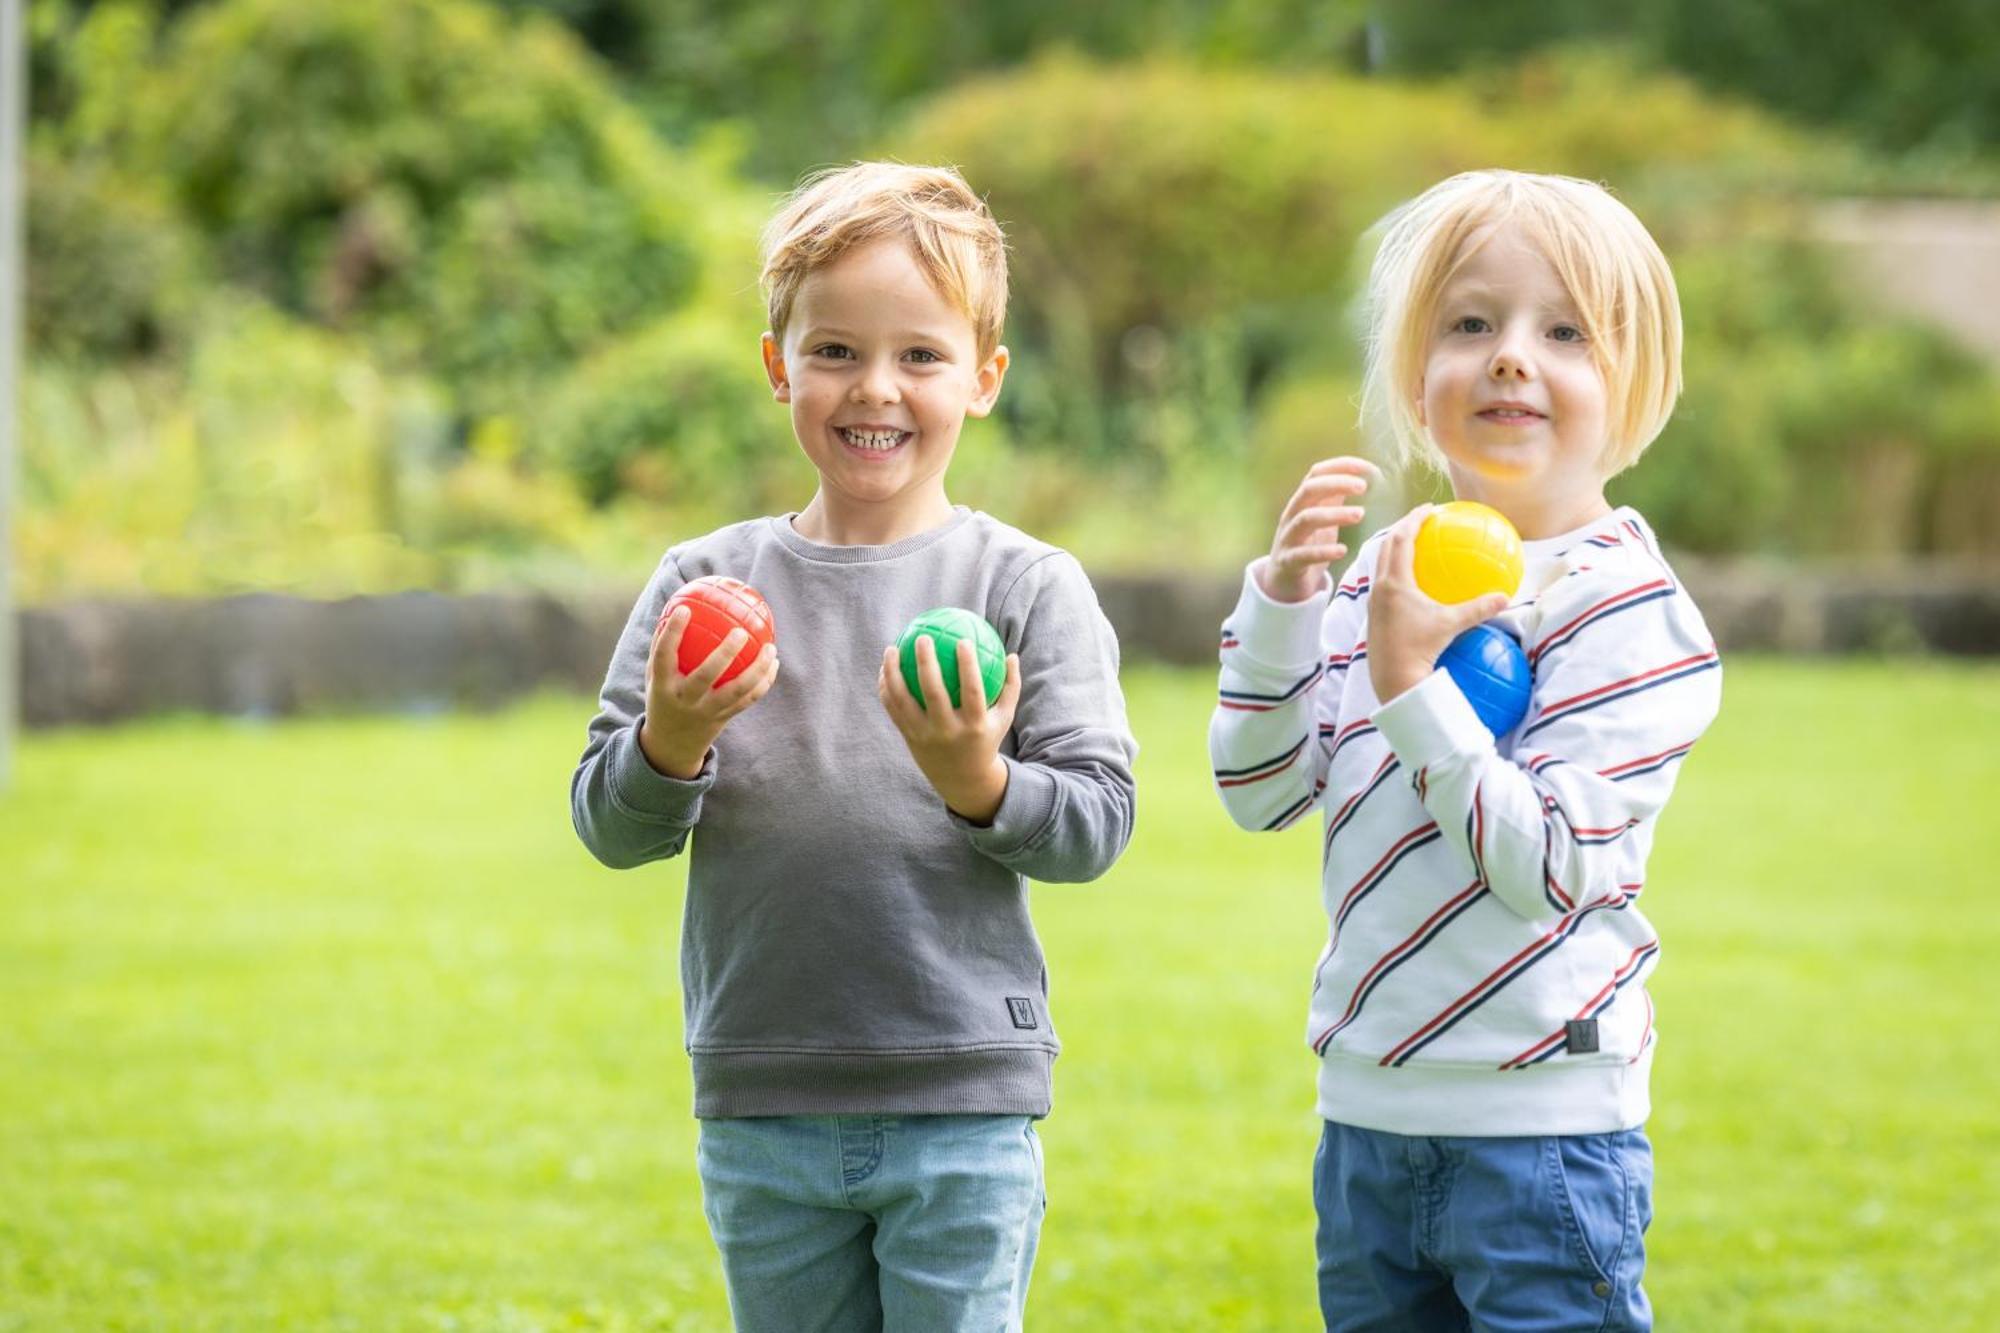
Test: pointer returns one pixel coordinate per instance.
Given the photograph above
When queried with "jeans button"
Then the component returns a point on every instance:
(1600, 1288)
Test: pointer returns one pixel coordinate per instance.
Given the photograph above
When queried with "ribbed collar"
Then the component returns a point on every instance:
(807, 549)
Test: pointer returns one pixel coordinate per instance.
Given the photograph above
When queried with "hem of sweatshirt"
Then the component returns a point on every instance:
(1010, 1080)
(1489, 1103)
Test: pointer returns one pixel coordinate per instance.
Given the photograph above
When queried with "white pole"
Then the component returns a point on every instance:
(13, 171)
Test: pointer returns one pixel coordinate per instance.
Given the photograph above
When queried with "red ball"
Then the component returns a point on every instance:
(715, 606)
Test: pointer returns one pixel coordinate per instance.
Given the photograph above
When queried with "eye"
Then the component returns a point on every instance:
(1470, 324)
(923, 356)
(1567, 333)
(834, 351)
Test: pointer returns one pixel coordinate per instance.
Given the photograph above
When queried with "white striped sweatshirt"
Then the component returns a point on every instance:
(1486, 959)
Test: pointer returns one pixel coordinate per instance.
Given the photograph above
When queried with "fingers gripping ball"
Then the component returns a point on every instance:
(945, 626)
(1466, 550)
(715, 606)
(1491, 671)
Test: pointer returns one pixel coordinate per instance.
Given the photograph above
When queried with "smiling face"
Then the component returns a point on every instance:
(880, 371)
(1511, 392)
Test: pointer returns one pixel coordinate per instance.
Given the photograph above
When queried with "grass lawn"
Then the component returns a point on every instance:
(333, 1024)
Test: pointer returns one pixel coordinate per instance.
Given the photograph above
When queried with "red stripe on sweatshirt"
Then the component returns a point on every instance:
(1623, 971)
(1402, 950)
(1396, 849)
(1609, 603)
(1588, 695)
(1643, 760)
(1546, 942)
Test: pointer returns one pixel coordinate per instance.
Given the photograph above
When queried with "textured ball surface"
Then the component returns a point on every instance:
(1491, 671)
(715, 606)
(1466, 550)
(945, 626)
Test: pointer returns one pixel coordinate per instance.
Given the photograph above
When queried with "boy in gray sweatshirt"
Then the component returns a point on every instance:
(866, 1000)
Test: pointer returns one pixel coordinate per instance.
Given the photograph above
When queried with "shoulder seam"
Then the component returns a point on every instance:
(1052, 553)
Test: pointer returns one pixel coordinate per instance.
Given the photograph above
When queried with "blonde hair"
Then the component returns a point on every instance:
(1609, 264)
(951, 233)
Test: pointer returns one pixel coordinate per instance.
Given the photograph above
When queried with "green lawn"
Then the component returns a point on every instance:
(333, 1024)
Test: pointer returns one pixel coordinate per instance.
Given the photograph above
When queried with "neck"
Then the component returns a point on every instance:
(1534, 516)
(834, 521)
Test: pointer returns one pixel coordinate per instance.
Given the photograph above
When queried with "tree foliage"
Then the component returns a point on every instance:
(469, 193)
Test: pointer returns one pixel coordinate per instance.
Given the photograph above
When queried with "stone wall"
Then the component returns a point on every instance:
(268, 655)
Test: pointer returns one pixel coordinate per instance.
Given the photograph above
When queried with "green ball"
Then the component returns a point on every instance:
(945, 626)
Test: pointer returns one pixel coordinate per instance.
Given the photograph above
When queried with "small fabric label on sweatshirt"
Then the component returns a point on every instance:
(1582, 1034)
(1021, 1010)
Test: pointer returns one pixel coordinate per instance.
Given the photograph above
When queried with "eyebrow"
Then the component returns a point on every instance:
(906, 335)
(1463, 288)
(1473, 292)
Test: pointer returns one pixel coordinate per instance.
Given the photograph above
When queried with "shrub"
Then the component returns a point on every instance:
(679, 414)
(469, 191)
(111, 271)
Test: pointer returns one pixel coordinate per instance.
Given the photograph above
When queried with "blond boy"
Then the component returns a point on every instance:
(866, 1001)
(1479, 1007)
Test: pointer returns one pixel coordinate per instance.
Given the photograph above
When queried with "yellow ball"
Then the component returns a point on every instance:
(1466, 550)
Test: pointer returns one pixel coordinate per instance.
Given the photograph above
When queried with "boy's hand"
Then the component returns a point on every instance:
(684, 714)
(958, 749)
(1407, 631)
(1308, 535)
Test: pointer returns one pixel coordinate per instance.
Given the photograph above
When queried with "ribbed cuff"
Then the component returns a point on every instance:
(1026, 809)
(644, 792)
(1430, 722)
(1284, 635)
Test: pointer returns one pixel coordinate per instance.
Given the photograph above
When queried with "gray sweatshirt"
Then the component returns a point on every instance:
(849, 945)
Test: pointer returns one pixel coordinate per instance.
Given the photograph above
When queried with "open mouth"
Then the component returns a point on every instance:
(1510, 416)
(872, 440)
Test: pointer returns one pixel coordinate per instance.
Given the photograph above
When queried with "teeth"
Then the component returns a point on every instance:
(873, 439)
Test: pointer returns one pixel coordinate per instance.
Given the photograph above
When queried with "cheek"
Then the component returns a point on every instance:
(814, 396)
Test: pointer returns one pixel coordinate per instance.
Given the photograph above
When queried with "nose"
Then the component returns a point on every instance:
(877, 383)
(1512, 358)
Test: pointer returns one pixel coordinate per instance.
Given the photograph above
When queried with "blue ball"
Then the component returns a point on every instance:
(1491, 671)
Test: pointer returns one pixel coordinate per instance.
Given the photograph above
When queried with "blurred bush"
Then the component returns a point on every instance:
(1811, 425)
(392, 295)
(114, 271)
(679, 413)
(271, 466)
(1899, 77)
(470, 195)
(1187, 245)
(813, 84)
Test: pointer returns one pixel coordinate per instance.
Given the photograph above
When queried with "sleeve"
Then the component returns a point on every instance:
(1626, 679)
(1267, 746)
(626, 811)
(1068, 810)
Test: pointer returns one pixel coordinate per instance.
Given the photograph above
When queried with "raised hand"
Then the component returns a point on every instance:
(1307, 539)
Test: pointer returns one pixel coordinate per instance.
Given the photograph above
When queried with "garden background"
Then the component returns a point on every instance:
(330, 1023)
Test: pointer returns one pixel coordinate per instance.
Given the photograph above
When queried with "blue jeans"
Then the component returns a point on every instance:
(1498, 1234)
(825, 1223)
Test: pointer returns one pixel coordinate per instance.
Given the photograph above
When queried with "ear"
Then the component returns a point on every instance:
(1422, 419)
(987, 381)
(774, 369)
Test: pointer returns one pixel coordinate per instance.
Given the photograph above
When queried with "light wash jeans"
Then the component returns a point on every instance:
(924, 1223)
(1497, 1235)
